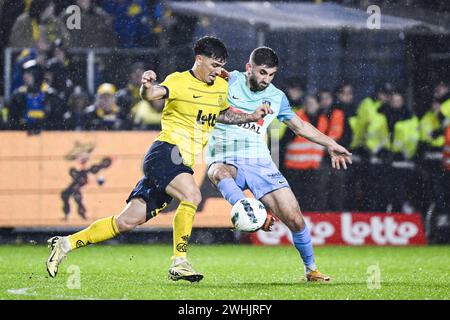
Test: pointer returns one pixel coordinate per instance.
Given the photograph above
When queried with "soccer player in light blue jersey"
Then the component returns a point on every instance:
(239, 158)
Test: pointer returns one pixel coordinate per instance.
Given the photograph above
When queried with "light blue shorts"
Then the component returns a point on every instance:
(260, 176)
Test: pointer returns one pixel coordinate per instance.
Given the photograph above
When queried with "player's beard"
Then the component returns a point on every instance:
(254, 85)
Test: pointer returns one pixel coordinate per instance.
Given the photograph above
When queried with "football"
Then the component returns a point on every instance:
(248, 215)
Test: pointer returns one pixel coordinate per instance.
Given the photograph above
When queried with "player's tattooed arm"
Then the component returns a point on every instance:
(150, 91)
(231, 117)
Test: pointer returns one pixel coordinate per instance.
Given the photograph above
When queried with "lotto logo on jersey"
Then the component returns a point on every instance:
(210, 118)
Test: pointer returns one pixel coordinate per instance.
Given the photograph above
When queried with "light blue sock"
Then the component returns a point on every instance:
(302, 242)
(230, 191)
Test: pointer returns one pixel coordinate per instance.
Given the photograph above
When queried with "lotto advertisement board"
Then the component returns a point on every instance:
(357, 229)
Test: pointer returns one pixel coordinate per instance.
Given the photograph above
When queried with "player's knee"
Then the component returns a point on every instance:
(122, 225)
(125, 223)
(194, 196)
(295, 221)
(216, 174)
(299, 222)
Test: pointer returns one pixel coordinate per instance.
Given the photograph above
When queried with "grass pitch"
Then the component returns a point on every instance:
(231, 272)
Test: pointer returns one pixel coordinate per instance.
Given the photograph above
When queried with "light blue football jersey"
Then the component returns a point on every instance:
(246, 140)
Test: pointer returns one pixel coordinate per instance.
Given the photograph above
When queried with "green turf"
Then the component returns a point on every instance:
(231, 272)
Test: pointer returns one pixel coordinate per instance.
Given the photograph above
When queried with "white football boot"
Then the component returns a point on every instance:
(57, 254)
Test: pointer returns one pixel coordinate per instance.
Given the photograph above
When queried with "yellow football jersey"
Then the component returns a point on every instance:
(191, 111)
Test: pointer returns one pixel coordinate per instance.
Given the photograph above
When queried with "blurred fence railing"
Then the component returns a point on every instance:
(90, 55)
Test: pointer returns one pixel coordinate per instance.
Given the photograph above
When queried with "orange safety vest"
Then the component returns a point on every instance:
(335, 128)
(446, 153)
(302, 154)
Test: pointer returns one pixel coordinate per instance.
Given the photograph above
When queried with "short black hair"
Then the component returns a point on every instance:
(340, 88)
(211, 47)
(386, 87)
(264, 56)
(322, 91)
(398, 91)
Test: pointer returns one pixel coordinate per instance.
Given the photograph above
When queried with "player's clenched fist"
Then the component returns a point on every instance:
(224, 74)
(147, 78)
(262, 111)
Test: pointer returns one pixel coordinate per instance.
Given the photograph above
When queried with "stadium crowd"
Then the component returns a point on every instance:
(401, 161)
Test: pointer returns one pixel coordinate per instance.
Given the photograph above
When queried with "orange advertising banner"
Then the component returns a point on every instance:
(69, 179)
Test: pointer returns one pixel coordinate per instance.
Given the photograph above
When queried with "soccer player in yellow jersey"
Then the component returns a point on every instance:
(195, 101)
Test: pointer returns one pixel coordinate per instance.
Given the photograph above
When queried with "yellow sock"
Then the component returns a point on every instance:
(98, 231)
(182, 227)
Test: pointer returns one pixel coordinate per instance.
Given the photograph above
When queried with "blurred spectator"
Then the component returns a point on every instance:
(75, 117)
(442, 96)
(326, 101)
(393, 135)
(104, 114)
(128, 96)
(96, 27)
(331, 179)
(432, 141)
(134, 112)
(345, 103)
(57, 73)
(33, 106)
(131, 21)
(303, 157)
(99, 71)
(367, 108)
(39, 53)
(446, 158)
(366, 165)
(343, 112)
(39, 22)
(147, 116)
(294, 91)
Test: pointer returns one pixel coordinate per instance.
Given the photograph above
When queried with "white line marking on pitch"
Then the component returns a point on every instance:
(22, 291)
(25, 292)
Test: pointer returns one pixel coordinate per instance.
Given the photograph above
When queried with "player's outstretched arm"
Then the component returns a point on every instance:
(150, 91)
(231, 117)
(339, 155)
